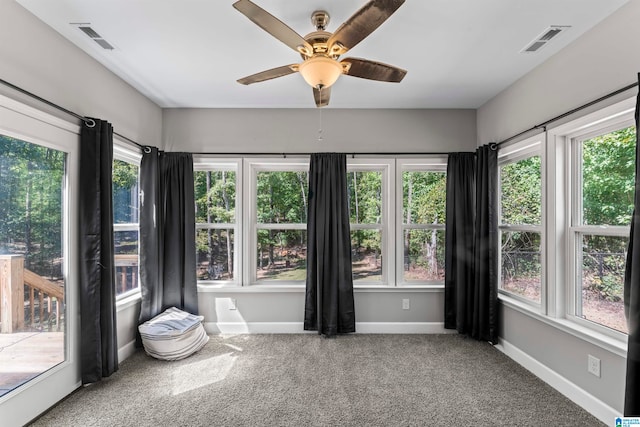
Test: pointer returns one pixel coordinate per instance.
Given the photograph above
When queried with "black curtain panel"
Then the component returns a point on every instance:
(632, 294)
(151, 237)
(98, 341)
(471, 244)
(329, 305)
(167, 233)
(459, 241)
(484, 324)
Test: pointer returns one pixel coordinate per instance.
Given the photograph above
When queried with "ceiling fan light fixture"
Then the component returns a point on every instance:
(320, 71)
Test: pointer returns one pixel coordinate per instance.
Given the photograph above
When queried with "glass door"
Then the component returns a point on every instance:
(38, 362)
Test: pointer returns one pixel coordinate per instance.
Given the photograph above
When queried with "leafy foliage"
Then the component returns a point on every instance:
(608, 173)
(607, 188)
(31, 196)
(215, 198)
(521, 191)
(423, 202)
(125, 192)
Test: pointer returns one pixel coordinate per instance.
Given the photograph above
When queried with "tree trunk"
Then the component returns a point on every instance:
(225, 198)
(433, 261)
(407, 237)
(27, 217)
(304, 202)
(211, 255)
(271, 205)
(355, 196)
(270, 263)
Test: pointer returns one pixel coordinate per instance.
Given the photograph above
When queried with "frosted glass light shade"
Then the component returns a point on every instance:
(320, 71)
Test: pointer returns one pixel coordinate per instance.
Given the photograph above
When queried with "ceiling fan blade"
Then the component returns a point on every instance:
(361, 24)
(268, 74)
(322, 96)
(273, 26)
(372, 70)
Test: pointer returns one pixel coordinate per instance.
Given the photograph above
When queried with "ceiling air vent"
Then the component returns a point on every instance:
(93, 35)
(544, 38)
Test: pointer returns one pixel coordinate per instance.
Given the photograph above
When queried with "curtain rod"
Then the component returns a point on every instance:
(142, 147)
(570, 112)
(64, 110)
(353, 154)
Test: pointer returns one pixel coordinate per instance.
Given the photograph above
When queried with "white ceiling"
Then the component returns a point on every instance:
(189, 53)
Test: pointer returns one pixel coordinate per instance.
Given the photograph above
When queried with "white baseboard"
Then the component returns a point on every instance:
(298, 328)
(254, 327)
(587, 401)
(402, 328)
(126, 350)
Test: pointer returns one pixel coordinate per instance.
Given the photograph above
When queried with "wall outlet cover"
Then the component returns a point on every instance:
(593, 365)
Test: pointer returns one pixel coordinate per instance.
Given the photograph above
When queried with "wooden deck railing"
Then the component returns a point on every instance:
(47, 296)
(126, 266)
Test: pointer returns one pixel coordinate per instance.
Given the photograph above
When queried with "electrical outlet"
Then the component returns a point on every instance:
(232, 304)
(593, 365)
(405, 304)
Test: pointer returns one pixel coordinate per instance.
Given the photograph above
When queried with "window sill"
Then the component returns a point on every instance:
(263, 288)
(128, 301)
(608, 343)
(222, 288)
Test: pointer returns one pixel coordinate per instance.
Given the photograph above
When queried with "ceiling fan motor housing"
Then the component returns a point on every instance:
(318, 40)
(320, 19)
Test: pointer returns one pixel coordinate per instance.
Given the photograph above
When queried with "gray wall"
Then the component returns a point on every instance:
(600, 62)
(283, 311)
(291, 130)
(296, 130)
(35, 57)
(603, 60)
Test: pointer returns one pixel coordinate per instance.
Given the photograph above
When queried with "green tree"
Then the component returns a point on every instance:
(31, 196)
(608, 174)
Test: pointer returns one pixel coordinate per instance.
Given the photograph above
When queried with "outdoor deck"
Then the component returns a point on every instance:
(25, 355)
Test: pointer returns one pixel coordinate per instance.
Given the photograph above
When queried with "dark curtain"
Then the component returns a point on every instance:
(167, 233)
(484, 308)
(471, 244)
(329, 305)
(99, 347)
(459, 241)
(632, 294)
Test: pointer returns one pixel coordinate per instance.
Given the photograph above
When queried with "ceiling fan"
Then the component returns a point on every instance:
(321, 49)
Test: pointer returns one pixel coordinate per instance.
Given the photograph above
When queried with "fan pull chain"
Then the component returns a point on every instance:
(320, 117)
(320, 128)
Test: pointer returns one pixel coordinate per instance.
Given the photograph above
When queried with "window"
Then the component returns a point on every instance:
(125, 194)
(368, 183)
(520, 181)
(251, 220)
(216, 189)
(278, 220)
(421, 195)
(603, 171)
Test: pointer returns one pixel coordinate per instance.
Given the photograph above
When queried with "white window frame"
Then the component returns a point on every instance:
(203, 164)
(386, 167)
(512, 153)
(251, 167)
(246, 225)
(575, 226)
(560, 249)
(426, 164)
(124, 152)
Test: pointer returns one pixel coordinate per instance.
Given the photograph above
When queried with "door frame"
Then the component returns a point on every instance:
(29, 124)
